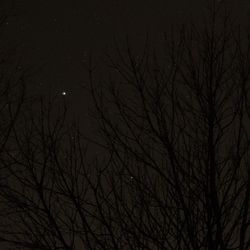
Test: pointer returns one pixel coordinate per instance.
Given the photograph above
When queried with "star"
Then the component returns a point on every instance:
(64, 93)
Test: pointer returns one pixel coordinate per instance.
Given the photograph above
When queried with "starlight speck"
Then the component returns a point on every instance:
(64, 93)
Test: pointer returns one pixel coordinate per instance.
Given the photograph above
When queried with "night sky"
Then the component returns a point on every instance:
(56, 36)
(52, 39)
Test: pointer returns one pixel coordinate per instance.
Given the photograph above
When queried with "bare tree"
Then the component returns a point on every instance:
(176, 171)
(13, 82)
(177, 129)
(46, 193)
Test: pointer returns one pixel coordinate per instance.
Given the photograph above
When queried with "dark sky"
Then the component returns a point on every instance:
(59, 34)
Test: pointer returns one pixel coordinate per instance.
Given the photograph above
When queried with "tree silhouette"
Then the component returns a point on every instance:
(176, 128)
(176, 170)
(13, 81)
